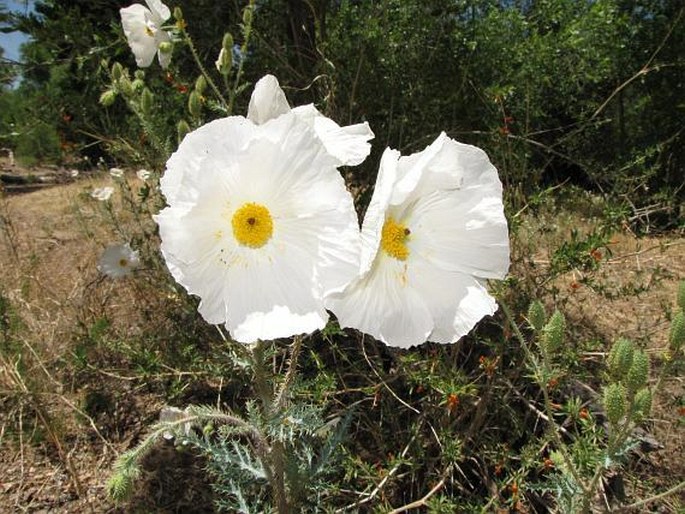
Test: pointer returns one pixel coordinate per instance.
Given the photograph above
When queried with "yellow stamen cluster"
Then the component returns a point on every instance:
(252, 225)
(394, 239)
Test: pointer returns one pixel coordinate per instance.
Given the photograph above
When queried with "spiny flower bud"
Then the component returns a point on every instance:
(639, 371)
(182, 128)
(224, 62)
(201, 84)
(681, 295)
(194, 104)
(642, 403)
(621, 357)
(107, 97)
(146, 101)
(536, 315)
(247, 16)
(125, 85)
(139, 74)
(178, 14)
(553, 333)
(227, 42)
(677, 335)
(137, 85)
(615, 402)
(117, 71)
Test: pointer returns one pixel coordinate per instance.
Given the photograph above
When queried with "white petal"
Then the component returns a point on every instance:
(350, 144)
(161, 11)
(163, 57)
(268, 101)
(143, 45)
(456, 301)
(383, 305)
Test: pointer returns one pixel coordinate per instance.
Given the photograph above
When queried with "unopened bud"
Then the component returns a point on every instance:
(125, 85)
(639, 371)
(553, 333)
(615, 402)
(107, 97)
(146, 101)
(137, 85)
(117, 71)
(536, 315)
(642, 403)
(247, 16)
(194, 104)
(621, 358)
(178, 14)
(227, 42)
(139, 74)
(166, 47)
(182, 128)
(677, 335)
(224, 61)
(201, 84)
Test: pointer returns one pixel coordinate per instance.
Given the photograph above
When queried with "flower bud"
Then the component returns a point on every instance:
(117, 72)
(639, 371)
(642, 403)
(201, 84)
(125, 85)
(194, 104)
(615, 402)
(146, 101)
(224, 62)
(137, 85)
(178, 14)
(166, 47)
(182, 128)
(227, 42)
(107, 97)
(247, 16)
(139, 74)
(681, 295)
(536, 315)
(677, 335)
(553, 333)
(621, 357)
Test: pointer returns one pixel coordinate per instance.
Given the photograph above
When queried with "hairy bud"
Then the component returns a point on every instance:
(139, 74)
(615, 402)
(621, 357)
(201, 84)
(224, 62)
(146, 101)
(107, 97)
(194, 104)
(536, 315)
(639, 371)
(117, 72)
(178, 14)
(677, 334)
(182, 128)
(642, 403)
(553, 333)
(247, 16)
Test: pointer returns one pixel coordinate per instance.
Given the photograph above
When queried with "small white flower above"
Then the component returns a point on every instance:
(118, 261)
(143, 29)
(116, 172)
(102, 193)
(434, 232)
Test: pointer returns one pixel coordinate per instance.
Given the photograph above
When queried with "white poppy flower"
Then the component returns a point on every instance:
(116, 172)
(143, 175)
(102, 193)
(433, 233)
(347, 144)
(143, 29)
(118, 261)
(260, 225)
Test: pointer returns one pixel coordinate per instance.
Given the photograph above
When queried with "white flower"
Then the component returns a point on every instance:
(433, 233)
(143, 30)
(102, 193)
(143, 175)
(347, 144)
(116, 172)
(260, 225)
(118, 261)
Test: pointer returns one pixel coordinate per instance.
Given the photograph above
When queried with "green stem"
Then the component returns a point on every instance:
(247, 32)
(209, 80)
(282, 394)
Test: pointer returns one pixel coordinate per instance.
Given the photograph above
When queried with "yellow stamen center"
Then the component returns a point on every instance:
(252, 225)
(394, 239)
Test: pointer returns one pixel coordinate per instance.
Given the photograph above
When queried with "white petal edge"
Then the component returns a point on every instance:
(267, 102)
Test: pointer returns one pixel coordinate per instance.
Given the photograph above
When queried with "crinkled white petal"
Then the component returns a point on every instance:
(383, 304)
(161, 11)
(350, 144)
(275, 290)
(267, 102)
(143, 45)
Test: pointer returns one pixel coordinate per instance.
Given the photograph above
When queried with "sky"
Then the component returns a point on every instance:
(11, 42)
